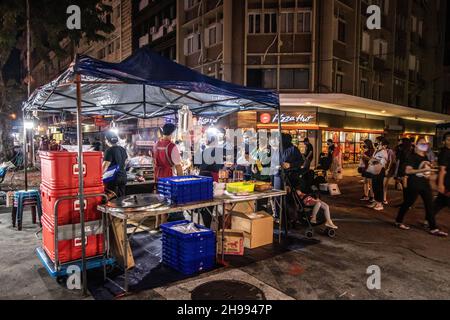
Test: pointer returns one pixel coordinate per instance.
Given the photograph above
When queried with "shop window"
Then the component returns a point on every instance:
(304, 22)
(294, 79)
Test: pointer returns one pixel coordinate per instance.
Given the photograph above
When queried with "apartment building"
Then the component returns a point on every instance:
(154, 26)
(352, 83)
(115, 48)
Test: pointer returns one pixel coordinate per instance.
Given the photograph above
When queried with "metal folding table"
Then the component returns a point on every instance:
(141, 212)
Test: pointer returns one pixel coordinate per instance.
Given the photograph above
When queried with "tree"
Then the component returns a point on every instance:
(49, 34)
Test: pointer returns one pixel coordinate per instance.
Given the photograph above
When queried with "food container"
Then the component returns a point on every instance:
(263, 186)
(240, 187)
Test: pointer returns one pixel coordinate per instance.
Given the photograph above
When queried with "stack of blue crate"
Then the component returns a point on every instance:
(188, 253)
(186, 189)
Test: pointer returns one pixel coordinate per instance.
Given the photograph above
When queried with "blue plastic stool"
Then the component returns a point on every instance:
(23, 198)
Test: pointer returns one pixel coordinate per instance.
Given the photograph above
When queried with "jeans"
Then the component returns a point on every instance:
(411, 194)
(378, 186)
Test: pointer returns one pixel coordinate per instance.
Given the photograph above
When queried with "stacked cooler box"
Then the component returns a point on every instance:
(60, 179)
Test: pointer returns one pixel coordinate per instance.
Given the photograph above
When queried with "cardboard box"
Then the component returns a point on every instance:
(233, 244)
(257, 228)
(245, 207)
(117, 244)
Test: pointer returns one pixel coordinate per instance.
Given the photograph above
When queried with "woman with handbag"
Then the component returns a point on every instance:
(419, 169)
(377, 171)
(364, 164)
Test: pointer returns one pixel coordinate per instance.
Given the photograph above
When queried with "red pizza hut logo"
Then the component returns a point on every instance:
(265, 118)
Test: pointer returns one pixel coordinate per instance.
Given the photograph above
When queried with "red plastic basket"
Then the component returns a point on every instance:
(69, 249)
(69, 210)
(59, 170)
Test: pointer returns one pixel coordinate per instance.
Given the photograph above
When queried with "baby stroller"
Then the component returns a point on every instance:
(297, 209)
(320, 173)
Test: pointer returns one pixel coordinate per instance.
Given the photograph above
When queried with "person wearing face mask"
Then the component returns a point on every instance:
(419, 169)
(377, 170)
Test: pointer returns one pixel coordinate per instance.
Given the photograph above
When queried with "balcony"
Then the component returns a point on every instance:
(173, 26)
(159, 34)
(143, 4)
(143, 41)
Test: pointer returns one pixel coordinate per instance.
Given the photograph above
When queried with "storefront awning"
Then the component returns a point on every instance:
(146, 85)
(349, 103)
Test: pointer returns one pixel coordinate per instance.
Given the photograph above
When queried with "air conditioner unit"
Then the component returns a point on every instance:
(166, 22)
(153, 30)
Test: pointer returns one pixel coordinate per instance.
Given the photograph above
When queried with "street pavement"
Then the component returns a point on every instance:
(412, 264)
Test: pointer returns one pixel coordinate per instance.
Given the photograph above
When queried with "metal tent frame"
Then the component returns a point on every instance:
(88, 83)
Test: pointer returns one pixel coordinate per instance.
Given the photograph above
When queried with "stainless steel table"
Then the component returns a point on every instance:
(142, 207)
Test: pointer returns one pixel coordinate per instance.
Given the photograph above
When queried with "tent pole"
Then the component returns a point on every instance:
(282, 173)
(81, 183)
(25, 153)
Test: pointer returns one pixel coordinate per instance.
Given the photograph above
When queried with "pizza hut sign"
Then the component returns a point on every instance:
(291, 118)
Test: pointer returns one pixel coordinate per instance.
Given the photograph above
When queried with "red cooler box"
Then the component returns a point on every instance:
(69, 240)
(59, 170)
(69, 210)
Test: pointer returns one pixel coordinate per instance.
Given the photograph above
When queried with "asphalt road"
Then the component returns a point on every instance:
(412, 264)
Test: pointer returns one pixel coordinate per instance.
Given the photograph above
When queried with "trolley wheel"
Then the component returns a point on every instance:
(62, 280)
(330, 233)
(309, 234)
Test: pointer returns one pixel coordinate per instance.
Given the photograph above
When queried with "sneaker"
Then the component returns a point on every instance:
(372, 205)
(364, 199)
(371, 200)
(379, 207)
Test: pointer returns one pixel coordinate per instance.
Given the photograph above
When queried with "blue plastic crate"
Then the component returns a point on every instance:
(188, 253)
(179, 192)
(192, 267)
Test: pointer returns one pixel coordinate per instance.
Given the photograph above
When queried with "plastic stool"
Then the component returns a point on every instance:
(29, 198)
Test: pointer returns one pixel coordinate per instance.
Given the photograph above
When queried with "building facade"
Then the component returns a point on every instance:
(352, 83)
(155, 26)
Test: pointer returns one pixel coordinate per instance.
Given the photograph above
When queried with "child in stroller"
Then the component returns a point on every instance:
(305, 206)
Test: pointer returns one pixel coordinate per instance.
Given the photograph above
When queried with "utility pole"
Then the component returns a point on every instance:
(25, 133)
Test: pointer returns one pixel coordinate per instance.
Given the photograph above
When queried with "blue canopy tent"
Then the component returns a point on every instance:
(144, 86)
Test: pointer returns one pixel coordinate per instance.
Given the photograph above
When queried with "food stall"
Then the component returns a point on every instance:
(147, 86)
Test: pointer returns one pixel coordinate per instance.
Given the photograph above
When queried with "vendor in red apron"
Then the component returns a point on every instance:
(166, 155)
(167, 159)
